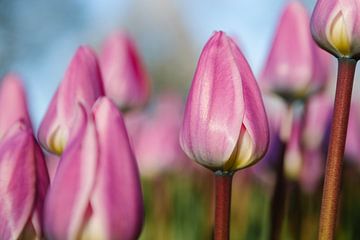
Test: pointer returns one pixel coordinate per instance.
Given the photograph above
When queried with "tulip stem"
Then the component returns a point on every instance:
(278, 198)
(333, 171)
(223, 184)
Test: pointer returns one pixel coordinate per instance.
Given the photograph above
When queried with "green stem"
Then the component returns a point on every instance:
(332, 183)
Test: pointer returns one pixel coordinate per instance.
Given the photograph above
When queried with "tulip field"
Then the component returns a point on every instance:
(128, 148)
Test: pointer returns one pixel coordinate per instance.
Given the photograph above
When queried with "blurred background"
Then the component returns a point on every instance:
(38, 39)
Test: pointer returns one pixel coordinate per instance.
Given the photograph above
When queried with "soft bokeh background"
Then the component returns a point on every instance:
(38, 39)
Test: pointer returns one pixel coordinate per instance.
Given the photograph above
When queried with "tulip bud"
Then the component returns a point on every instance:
(293, 158)
(335, 27)
(23, 184)
(225, 126)
(155, 136)
(296, 67)
(96, 192)
(12, 103)
(82, 84)
(352, 147)
(125, 79)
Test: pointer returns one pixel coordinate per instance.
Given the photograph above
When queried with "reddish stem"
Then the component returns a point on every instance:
(332, 183)
(222, 206)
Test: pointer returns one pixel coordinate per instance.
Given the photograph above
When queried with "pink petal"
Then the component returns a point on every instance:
(255, 119)
(215, 105)
(294, 64)
(82, 84)
(42, 184)
(117, 197)
(12, 103)
(17, 181)
(125, 79)
(324, 18)
(69, 195)
(155, 135)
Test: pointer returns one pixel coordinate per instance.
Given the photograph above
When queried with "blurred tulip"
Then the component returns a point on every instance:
(293, 158)
(314, 140)
(23, 184)
(12, 103)
(317, 119)
(96, 192)
(225, 126)
(296, 67)
(277, 112)
(125, 79)
(155, 136)
(81, 84)
(335, 27)
(352, 147)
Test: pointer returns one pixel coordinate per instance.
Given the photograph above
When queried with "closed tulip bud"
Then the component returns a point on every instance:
(125, 79)
(296, 67)
(293, 158)
(225, 126)
(82, 84)
(23, 184)
(12, 103)
(335, 27)
(352, 147)
(155, 136)
(96, 192)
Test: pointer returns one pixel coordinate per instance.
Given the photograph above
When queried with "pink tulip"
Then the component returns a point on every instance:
(125, 79)
(225, 126)
(96, 192)
(155, 136)
(352, 147)
(317, 120)
(296, 67)
(82, 84)
(335, 25)
(12, 103)
(23, 184)
(314, 138)
(293, 157)
(278, 113)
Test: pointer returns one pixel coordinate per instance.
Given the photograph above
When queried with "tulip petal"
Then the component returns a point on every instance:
(82, 84)
(125, 79)
(117, 197)
(335, 27)
(42, 184)
(289, 67)
(255, 120)
(17, 181)
(68, 197)
(215, 106)
(12, 103)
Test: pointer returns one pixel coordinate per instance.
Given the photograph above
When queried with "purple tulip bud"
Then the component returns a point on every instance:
(125, 79)
(23, 184)
(335, 26)
(225, 126)
(96, 192)
(12, 103)
(295, 67)
(82, 84)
